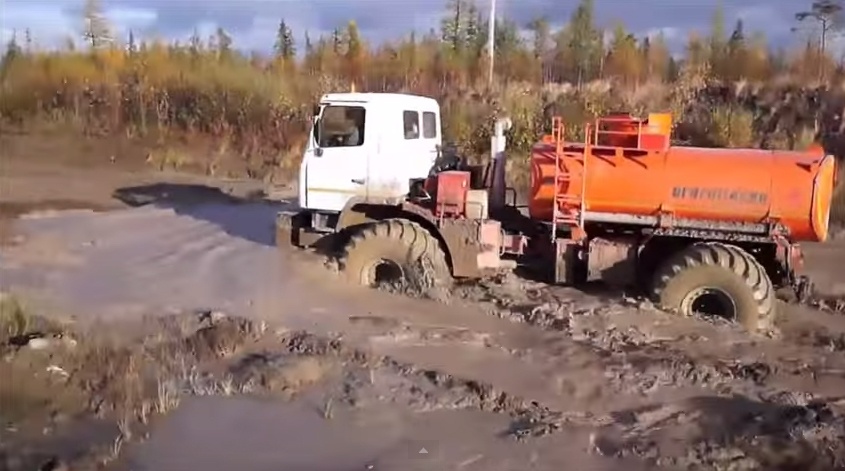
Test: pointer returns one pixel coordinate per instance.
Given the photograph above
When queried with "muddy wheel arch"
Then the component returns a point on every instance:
(458, 238)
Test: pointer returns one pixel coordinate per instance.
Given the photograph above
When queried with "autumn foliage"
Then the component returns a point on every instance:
(257, 108)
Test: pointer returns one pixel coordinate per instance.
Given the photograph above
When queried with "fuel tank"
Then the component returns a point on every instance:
(731, 185)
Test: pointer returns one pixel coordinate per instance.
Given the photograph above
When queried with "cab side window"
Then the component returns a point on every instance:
(429, 125)
(411, 120)
(341, 126)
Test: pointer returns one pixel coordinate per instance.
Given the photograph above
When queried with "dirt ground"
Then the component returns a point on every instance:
(159, 329)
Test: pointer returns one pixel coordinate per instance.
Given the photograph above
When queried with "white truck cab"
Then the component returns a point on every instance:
(367, 146)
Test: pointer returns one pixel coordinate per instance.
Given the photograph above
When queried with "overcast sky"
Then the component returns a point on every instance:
(252, 23)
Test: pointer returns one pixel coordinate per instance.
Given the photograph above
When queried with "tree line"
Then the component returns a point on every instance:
(579, 52)
(260, 102)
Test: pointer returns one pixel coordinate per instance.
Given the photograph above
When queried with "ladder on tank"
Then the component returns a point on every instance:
(568, 205)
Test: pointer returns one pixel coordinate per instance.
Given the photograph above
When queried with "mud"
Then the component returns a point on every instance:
(131, 381)
(173, 306)
(775, 427)
(744, 422)
(200, 355)
(828, 303)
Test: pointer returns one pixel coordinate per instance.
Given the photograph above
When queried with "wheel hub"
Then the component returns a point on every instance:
(710, 301)
(384, 272)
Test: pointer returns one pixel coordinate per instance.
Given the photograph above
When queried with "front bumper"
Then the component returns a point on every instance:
(293, 229)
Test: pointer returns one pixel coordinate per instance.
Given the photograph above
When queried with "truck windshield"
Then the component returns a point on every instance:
(340, 126)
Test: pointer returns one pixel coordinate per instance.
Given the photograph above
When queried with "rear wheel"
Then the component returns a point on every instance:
(395, 252)
(717, 279)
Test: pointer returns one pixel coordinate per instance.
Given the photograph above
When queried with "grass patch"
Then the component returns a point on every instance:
(14, 322)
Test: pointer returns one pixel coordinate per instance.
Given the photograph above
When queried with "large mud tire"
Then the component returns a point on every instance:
(726, 270)
(401, 244)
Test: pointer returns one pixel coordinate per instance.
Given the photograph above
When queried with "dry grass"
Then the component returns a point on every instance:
(14, 322)
(133, 374)
(106, 373)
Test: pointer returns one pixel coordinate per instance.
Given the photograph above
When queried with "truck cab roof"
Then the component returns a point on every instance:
(393, 98)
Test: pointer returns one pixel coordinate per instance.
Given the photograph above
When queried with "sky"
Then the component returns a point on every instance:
(253, 23)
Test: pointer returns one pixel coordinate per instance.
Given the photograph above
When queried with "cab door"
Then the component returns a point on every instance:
(421, 141)
(336, 166)
(404, 154)
(431, 140)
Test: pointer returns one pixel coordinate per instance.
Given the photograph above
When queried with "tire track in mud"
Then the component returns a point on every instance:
(814, 425)
(195, 247)
(369, 378)
(752, 438)
(140, 221)
(553, 312)
(157, 230)
(827, 332)
(215, 254)
(636, 359)
(169, 274)
(176, 243)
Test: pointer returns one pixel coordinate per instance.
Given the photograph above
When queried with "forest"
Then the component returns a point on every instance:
(730, 87)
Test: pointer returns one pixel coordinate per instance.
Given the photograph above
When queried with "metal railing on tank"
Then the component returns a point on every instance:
(628, 132)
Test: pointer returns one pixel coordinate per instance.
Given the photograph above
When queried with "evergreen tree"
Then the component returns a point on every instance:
(541, 37)
(223, 44)
(13, 51)
(131, 47)
(337, 42)
(354, 51)
(624, 60)
(453, 28)
(735, 68)
(28, 40)
(584, 42)
(284, 47)
(309, 48)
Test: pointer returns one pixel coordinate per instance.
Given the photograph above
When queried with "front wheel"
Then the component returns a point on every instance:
(395, 251)
(717, 279)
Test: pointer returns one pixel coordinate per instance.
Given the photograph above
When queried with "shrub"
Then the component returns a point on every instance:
(259, 110)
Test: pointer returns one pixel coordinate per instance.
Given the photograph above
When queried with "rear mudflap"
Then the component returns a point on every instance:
(289, 224)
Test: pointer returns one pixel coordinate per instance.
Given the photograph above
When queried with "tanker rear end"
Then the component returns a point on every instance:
(703, 230)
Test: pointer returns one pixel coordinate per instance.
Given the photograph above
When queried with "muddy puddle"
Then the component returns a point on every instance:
(221, 434)
(251, 435)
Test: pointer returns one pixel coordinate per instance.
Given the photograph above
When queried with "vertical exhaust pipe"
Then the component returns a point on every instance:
(496, 197)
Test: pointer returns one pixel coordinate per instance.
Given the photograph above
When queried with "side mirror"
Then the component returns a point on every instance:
(315, 110)
(318, 152)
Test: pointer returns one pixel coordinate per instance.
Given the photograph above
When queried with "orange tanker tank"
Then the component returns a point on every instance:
(626, 171)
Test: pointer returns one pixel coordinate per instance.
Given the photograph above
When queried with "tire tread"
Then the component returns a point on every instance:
(729, 257)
